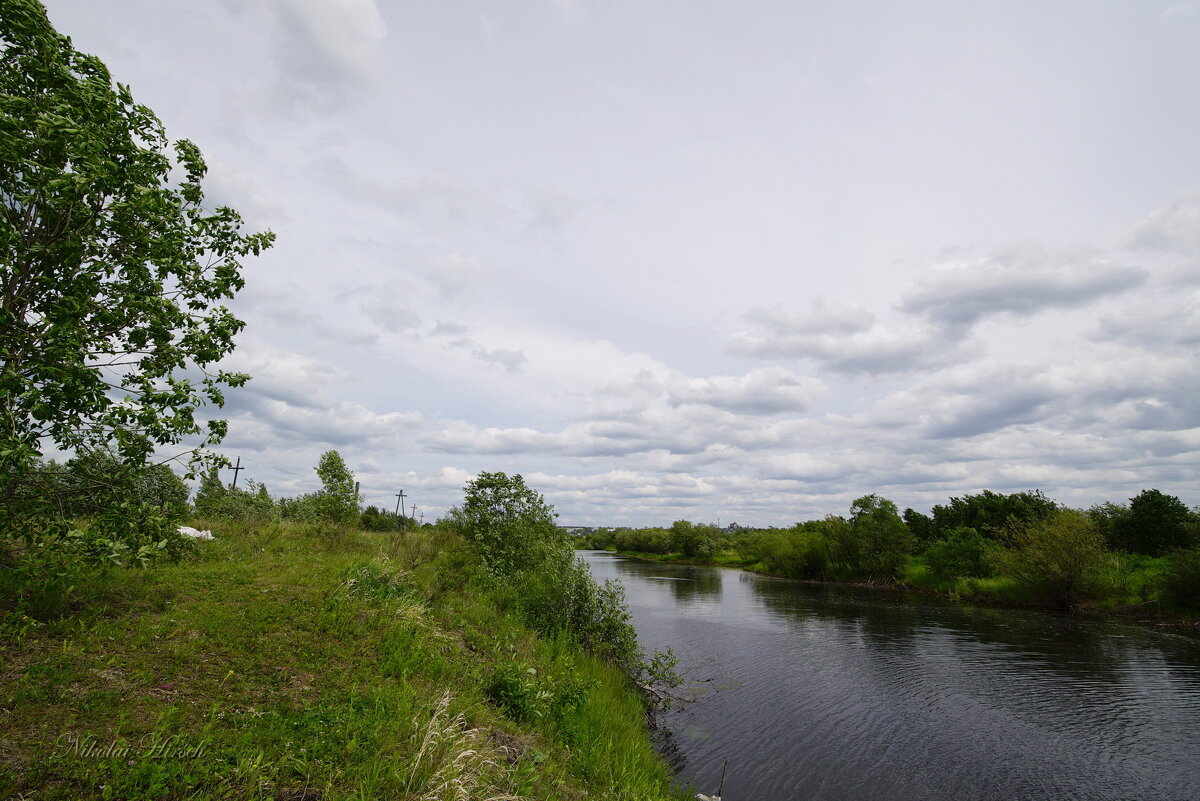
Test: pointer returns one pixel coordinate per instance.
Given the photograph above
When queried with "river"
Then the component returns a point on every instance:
(817, 691)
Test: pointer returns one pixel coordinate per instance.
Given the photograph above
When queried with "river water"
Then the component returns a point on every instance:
(815, 691)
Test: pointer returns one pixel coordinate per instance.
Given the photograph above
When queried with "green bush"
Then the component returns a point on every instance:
(963, 552)
(693, 541)
(1180, 581)
(530, 561)
(1057, 558)
(376, 519)
(215, 500)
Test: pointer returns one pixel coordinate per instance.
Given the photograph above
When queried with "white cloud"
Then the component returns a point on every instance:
(768, 390)
(848, 340)
(1020, 283)
(526, 245)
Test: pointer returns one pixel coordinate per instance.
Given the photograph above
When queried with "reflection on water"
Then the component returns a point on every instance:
(837, 692)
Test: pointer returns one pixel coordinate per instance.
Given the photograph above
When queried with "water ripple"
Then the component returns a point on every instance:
(836, 693)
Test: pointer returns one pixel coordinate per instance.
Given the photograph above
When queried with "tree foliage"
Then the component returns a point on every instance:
(511, 525)
(524, 551)
(1156, 524)
(250, 502)
(880, 537)
(1057, 557)
(961, 553)
(692, 540)
(1181, 579)
(112, 269)
(990, 513)
(335, 502)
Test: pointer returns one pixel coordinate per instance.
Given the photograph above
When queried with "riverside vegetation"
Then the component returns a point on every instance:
(1021, 548)
(309, 658)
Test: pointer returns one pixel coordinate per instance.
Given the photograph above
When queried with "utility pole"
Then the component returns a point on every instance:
(400, 496)
(414, 514)
(237, 468)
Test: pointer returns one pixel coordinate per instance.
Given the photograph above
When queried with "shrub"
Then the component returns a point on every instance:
(963, 552)
(215, 500)
(530, 559)
(1057, 558)
(1180, 582)
(376, 519)
(511, 525)
(694, 542)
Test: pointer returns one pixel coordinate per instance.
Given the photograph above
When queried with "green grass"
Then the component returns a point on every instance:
(308, 662)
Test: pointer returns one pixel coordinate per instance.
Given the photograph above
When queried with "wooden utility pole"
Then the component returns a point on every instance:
(237, 468)
(400, 496)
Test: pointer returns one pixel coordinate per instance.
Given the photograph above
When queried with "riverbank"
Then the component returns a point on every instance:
(987, 592)
(309, 662)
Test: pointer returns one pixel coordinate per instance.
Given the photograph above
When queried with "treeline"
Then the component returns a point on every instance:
(1017, 547)
(87, 491)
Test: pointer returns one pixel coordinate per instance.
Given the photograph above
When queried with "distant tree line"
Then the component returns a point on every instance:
(1019, 546)
(82, 488)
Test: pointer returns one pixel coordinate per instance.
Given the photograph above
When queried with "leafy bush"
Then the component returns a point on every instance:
(644, 540)
(530, 559)
(375, 519)
(512, 525)
(992, 513)
(963, 552)
(1057, 558)
(524, 694)
(693, 541)
(215, 500)
(1180, 581)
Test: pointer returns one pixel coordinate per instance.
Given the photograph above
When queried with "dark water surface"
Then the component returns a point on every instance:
(830, 692)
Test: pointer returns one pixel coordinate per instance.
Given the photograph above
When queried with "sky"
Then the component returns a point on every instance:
(699, 260)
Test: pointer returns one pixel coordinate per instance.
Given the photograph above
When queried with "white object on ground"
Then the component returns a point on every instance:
(188, 531)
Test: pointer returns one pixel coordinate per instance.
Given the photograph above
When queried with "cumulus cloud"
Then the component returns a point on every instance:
(1019, 284)
(289, 396)
(511, 360)
(1172, 322)
(769, 390)
(847, 340)
(1173, 229)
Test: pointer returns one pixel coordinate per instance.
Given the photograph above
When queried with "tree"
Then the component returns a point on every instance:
(693, 541)
(1057, 557)
(962, 552)
(1155, 524)
(337, 500)
(112, 269)
(920, 525)
(992, 514)
(512, 525)
(881, 535)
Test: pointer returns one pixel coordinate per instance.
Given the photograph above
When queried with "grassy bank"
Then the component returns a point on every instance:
(308, 662)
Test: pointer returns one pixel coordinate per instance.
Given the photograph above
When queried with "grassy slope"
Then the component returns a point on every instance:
(310, 664)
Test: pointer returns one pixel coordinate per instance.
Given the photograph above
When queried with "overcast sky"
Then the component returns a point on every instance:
(698, 259)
